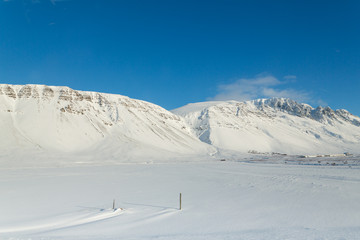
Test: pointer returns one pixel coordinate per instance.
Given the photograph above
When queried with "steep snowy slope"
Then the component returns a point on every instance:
(273, 125)
(58, 119)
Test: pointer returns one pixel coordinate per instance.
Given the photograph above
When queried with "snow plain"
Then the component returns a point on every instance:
(249, 198)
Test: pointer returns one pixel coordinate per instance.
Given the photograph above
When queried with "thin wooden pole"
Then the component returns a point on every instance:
(180, 202)
(114, 204)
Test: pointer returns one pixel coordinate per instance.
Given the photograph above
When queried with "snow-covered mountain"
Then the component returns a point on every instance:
(37, 118)
(62, 122)
(273, 125)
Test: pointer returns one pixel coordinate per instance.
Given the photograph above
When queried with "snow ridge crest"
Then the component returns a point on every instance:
(321, 114)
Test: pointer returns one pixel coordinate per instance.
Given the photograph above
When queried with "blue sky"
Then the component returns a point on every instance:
(175, 52)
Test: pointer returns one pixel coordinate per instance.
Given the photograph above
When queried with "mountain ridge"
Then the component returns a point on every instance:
(283, 104)
(63, 120)
(280, 124)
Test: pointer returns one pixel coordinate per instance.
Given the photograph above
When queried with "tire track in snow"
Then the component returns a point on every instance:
(65, 221)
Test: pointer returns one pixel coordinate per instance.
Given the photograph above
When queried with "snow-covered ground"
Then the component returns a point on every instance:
(65, 155)
(254, 197)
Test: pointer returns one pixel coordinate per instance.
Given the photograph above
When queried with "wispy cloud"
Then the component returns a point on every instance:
(55, 1)
(290, 77)
(261, 86)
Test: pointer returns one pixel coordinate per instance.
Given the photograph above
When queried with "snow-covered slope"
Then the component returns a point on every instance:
(62, 122)
(58, 119)
(273, 125)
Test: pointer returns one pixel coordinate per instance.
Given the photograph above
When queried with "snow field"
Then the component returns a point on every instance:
(221, 200)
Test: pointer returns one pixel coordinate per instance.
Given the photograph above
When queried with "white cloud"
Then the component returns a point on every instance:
(260, 87)
(300, 96)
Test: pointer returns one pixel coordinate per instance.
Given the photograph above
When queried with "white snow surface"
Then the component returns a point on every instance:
(220, 200)
(65, 155)
(273, 125)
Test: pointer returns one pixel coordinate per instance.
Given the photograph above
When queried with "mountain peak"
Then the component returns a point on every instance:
(275, 124)
(66, 120)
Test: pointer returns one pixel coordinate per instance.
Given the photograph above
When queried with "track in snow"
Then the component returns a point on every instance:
(65, 221)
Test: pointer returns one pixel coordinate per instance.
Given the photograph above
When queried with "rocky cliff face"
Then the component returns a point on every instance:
(63, 119)
(324, 115)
